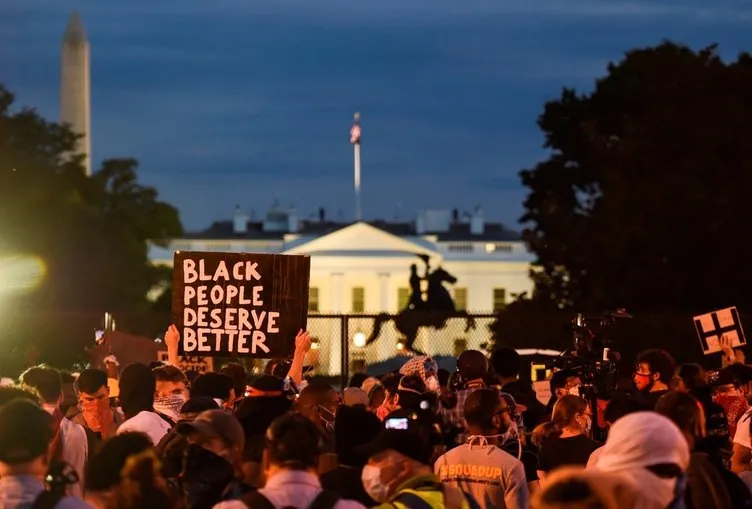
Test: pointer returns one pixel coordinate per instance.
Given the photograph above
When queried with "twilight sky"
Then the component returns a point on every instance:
(229, 102)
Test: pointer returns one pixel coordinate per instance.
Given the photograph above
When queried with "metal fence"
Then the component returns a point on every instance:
(375, 344)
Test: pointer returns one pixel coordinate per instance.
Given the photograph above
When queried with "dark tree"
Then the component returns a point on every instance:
(644, 201)
(90, 233)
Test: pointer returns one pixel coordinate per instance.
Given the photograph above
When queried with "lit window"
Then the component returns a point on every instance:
(499, 299)
(313, 300)
(490, 248)
(403, 298)
(460, 299)
(358, 299)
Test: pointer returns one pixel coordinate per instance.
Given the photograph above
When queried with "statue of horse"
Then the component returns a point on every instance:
(439, 307)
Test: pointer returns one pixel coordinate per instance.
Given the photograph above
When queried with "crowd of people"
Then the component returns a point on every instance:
(667, 436)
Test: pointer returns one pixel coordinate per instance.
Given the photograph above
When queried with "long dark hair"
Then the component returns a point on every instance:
(565, 410)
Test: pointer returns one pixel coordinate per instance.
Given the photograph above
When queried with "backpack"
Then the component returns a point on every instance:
(324, 500)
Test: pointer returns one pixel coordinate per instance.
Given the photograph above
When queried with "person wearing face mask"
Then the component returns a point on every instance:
(99, 420)
(488, 476)
(654, 371)
(564, 440)
(563, 382)
(391, 397)
(398, 473)
(212, 467)
(171, 393)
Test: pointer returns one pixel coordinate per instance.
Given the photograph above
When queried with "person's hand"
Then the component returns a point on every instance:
(725, 343)
(302, 342)
(172, 337)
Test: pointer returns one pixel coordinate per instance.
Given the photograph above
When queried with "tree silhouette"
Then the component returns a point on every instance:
(643, 201)
(91, 233)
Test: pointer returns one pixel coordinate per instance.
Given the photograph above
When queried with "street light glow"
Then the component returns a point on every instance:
(21, 273)
(359, 339)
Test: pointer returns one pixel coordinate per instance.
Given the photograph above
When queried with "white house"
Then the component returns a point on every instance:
(364, 267)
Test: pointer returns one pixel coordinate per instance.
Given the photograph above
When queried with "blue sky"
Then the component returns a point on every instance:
(230, 102)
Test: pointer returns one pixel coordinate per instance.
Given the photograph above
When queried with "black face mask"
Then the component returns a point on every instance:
(205, 477)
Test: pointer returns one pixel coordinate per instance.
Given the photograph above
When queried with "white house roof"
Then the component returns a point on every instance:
(359, 239)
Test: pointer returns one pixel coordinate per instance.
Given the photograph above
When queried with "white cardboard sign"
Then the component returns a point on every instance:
(711, 326)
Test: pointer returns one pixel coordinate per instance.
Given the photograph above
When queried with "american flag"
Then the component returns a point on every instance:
(355, 134)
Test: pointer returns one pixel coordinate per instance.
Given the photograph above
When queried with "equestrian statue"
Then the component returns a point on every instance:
(432, 311)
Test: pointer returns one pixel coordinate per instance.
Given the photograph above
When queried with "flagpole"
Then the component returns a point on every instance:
(355, 140)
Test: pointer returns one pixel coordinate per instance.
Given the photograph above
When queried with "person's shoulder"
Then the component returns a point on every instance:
(347, 504)
(231, 504)
(73, 503)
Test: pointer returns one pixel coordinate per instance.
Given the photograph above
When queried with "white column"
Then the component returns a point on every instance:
(334, 353)
(386, 343)
(384, 288)
(336, 293)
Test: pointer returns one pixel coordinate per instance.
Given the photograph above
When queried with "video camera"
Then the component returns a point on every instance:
(592, 358)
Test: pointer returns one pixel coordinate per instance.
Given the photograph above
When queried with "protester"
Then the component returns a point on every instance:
(391, 383)
(171, 392)
(212, 469)
(398, 474)
(563, 382)
(654, 371)
(125, 473)
(237, 374)
(265, 402)
(217, 386)
(292, 455)
(728, 393)
(486, 474)
(137, 389)
(26, 433)
(616, 408)
(410, 392)
(375, 391)
(709, 484)
(69, 443)
(472, 371)
(98, 418)
(507, 365)
(575, 488)
(650, 452)
(174, 444)
(353, 427)
(564, 440)
(426, 368)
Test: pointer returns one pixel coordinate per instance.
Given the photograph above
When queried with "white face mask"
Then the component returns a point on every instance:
(376, 489)
(432, 384)
(574, 391)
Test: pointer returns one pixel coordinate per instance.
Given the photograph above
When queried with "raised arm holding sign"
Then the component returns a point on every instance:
(243, 304)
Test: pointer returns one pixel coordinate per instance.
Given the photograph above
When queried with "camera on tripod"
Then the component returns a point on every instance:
(592, 358)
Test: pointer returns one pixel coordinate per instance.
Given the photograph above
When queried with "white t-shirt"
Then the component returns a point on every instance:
(741, 436)
(148, 423)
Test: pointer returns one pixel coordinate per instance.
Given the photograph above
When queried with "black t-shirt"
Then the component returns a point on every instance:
(556, 452)
(529, 458)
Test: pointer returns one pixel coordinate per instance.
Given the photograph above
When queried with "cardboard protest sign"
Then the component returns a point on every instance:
(246, 304)
(187, 363)
(711, 326)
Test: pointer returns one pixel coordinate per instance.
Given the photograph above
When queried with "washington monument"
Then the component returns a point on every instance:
(74, 85)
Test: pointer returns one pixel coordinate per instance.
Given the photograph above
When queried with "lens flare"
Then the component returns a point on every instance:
(21, 273)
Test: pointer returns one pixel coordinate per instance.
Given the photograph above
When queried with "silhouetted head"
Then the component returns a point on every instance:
(413, 268)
